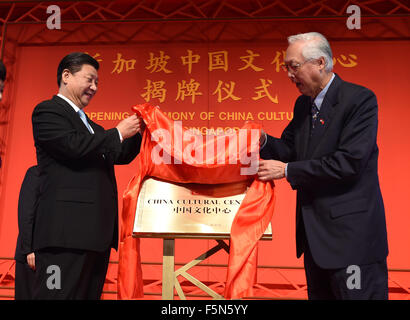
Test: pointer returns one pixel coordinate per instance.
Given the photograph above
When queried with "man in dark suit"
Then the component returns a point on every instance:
(328, 153)
(77, 217)
(24, 255)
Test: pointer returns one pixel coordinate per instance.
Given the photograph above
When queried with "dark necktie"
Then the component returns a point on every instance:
(315, 113)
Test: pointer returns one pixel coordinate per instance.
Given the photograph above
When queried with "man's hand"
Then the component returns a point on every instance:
(141, 126)
(271, 170)
(31, 260)
(130, 126)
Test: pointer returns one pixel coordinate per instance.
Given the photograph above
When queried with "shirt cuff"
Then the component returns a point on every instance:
(119, 133)
(286, 170)
(264, 143)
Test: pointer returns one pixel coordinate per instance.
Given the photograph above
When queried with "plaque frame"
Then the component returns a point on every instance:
(169, 274)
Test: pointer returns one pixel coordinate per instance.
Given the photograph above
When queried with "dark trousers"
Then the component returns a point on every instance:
(70, 274)
(363, 282)
(24, 281)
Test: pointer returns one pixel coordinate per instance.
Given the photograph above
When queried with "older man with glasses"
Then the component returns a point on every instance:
(328, 153)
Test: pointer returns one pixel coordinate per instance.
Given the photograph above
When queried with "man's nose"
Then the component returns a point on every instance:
(94, 86)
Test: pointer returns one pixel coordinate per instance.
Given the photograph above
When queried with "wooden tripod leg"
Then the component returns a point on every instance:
(168, 264)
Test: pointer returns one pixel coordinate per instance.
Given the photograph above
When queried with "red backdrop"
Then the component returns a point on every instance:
(226, 85)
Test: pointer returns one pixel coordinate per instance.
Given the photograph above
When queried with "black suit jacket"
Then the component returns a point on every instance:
(78, 206)
(27, 205)
(334, 171)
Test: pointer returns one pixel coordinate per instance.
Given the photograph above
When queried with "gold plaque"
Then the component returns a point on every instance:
(171, 210)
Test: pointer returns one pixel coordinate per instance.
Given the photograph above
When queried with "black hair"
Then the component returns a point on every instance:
(74, 62)
(3, 71)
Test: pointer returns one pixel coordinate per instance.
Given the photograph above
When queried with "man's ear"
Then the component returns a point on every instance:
(65, 75)
(322, 63)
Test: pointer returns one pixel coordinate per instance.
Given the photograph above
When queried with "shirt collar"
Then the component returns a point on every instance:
(76, 109)
(319, 99)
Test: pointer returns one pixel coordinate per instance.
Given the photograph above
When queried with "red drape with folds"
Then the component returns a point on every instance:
(249, 224)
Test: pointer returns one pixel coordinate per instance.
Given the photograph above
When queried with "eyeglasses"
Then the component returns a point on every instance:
(293, 68)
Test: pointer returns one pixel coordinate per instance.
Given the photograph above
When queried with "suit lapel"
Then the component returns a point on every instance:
(325, 116)
(72, 114)
(94, 125)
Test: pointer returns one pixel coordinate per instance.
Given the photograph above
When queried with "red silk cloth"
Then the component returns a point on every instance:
(250, 222)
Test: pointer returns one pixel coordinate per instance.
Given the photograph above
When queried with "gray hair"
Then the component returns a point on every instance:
(315, 49)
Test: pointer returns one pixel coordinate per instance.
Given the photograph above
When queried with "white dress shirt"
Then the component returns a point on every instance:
(76, 109)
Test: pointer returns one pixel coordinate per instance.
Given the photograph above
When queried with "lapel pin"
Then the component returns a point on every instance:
(322, 122)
